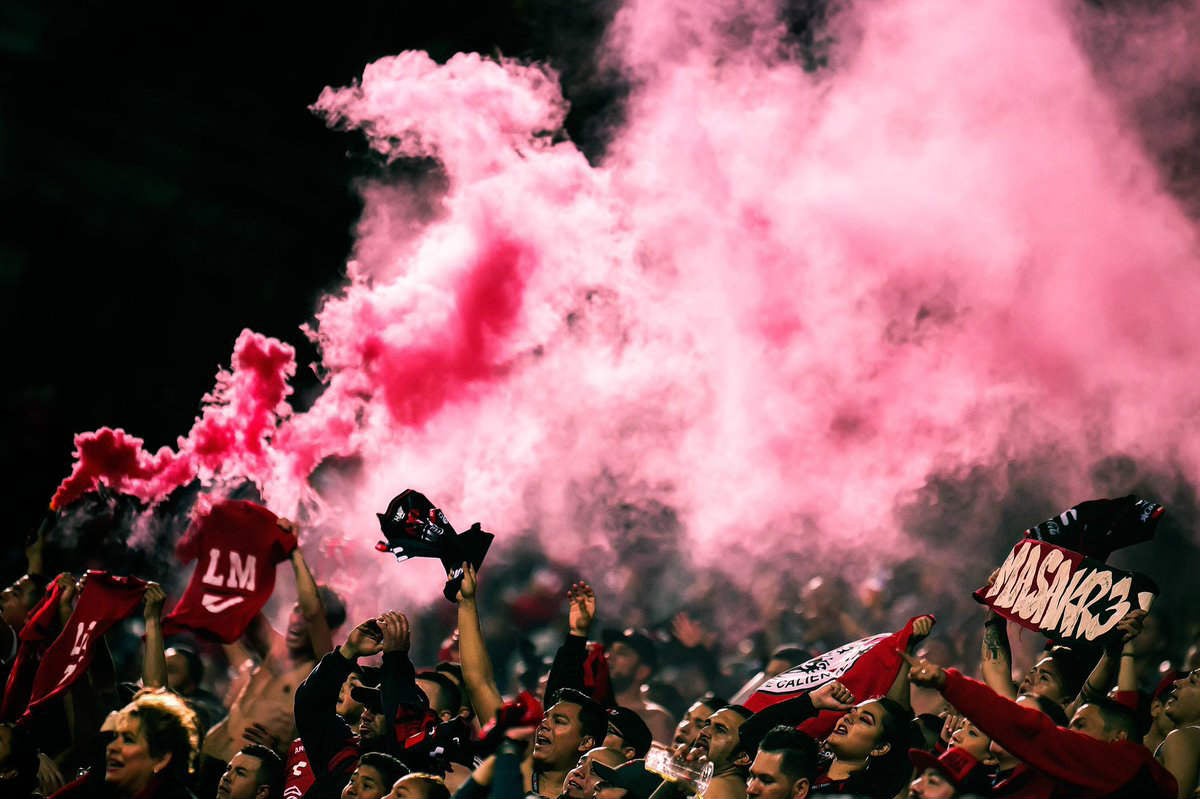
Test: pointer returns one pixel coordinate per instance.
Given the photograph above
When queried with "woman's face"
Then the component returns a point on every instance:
(1043, 679)
(971, 738)
(128, 764)
(857, 734)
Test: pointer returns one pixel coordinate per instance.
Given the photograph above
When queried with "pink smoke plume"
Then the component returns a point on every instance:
(781, 301)
(228, 441)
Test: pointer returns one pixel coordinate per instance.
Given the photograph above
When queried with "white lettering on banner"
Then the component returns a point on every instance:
(1039, 584)
(820, 670)
(83, 634)
(215, 604)
(241, 574)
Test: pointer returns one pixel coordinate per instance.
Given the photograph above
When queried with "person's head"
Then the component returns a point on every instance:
(627, 733)
(1058, 676)
(1183, 702)
(1106, 720)
(372, 723)
(572, 725)
(185, 670)
(255, 772)
(871, 741)
(955, 773)
(347, 706)
(451, 670)
(869, 729)
(419, 786)
(1049, 707)
(18, 761)
(785, 766)
(445, 697)
(720, 739)
(374, 776)
(632, 658)
(581, 781)
(630, 780)
(974, 741)
(297, 637)
(156, 734)
(784, 658)
(19, 599)
(688, 728)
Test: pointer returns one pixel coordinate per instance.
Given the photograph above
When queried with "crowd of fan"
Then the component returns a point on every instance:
(329, 710)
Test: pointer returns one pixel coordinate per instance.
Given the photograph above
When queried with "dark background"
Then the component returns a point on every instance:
(165, 186)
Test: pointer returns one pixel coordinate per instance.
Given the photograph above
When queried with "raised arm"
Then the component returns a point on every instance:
(154, 662)
(900, 691)
(995, 656)
(1098, 682)
(567, 669)
(478, 677)
(307, 595)
(322, 730)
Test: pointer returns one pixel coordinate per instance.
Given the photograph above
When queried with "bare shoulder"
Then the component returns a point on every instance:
(1182, 742)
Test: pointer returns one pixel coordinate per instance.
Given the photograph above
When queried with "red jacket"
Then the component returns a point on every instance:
(1083, 766)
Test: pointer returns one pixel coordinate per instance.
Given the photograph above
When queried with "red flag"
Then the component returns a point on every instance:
(868, 667)
(36, 636)
(236, 546)
(104, 601)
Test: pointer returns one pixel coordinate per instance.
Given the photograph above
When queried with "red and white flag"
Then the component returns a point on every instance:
(868, 667)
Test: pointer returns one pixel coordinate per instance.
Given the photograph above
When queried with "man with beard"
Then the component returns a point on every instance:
(720, 743)
(573, 725)
(333, 747)
(688, 728)
(633, 659)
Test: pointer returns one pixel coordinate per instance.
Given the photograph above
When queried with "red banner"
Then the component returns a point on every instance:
(1062, 593)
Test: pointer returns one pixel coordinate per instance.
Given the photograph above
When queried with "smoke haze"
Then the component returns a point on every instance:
(777, 317)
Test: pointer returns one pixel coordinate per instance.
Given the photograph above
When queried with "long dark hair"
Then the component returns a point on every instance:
(884, 775)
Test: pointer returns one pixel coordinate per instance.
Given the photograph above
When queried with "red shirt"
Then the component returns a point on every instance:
(236, 546)
(1082, 766)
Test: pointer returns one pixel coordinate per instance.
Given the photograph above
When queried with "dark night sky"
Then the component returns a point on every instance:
(166, 186)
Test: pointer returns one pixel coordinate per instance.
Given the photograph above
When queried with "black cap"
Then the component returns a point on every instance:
(636, 640)
(631, 728)
(631, 776)
(369, 697)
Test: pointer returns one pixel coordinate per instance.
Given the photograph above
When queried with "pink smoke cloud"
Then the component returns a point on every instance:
(780, 302)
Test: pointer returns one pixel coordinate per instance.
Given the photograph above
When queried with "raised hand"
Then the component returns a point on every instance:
(832, 696)
(950, 724)
(921, 630)
(687, 631)
(153, 600)
(924, 674)
(396, 633)
(258, 734)
(469, 583)
(582, 609)
(1130, 625)
(362, 641)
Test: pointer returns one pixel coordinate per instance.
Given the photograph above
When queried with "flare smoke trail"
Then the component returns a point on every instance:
(780, 305)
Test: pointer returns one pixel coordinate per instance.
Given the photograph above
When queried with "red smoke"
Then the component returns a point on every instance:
(782, 300)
